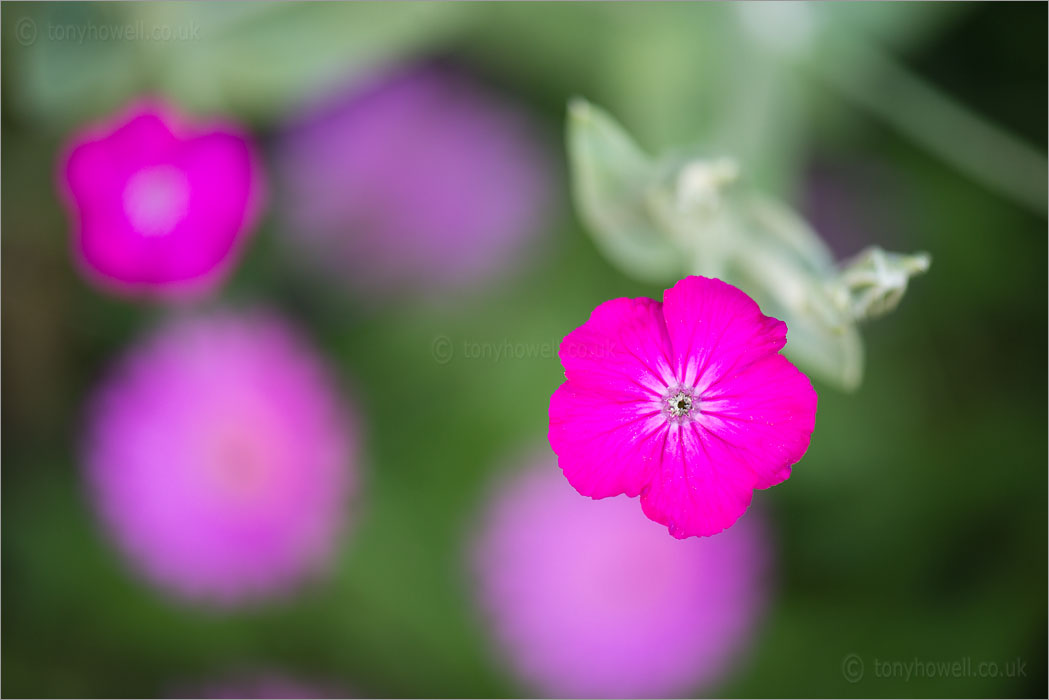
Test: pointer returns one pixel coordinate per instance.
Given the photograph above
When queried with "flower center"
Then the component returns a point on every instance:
(237, 466)
(156, 199)
(679, 404)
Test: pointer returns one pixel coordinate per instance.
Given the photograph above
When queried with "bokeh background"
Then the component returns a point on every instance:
(914, 528)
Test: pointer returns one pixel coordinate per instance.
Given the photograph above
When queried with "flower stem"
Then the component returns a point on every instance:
(985, 152)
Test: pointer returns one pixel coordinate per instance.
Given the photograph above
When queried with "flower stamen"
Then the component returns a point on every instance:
(679, 404)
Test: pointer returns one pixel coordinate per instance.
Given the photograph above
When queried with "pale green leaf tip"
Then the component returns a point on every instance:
(581, 115)
(919, 263)
(579, 108)
(873, 283)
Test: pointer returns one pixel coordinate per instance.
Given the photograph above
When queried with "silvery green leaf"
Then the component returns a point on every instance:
(69, 69)
(257, 60)
(267, 58)
(763, 248)
(786, 267)
(777, 225)
(611, 177)
(688, 203)
(655, 218)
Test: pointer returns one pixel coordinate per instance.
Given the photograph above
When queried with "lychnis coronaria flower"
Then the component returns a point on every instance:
(686, 403)
(588, 600)
(159, 205)
(221, 458)
(418, 181)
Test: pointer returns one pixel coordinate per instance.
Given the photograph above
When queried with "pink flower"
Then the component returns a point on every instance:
(159, 206)
(687, 404)
(221, 459)
(420, 181)
(588, 600)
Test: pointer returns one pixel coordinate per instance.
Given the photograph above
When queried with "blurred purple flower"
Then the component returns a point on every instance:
(588, 600)
(221, 459)
(159, 205)
(419, 181)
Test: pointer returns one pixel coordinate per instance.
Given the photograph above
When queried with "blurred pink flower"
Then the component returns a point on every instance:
(221, 459)
(588, 600)
(687, 403)
(418, 181)
(159, 205)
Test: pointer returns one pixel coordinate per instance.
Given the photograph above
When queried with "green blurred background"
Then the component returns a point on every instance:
(915, 527)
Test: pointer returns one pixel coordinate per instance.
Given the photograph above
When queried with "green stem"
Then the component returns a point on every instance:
(983, 151)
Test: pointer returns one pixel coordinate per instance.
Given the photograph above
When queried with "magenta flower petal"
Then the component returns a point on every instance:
(687, 404)
(702, 486)
(623, 349)
(771, 404)
(588, 600)
(582, 431)
(220, 459)
(613, 362)
(159, 206)
(715, 328)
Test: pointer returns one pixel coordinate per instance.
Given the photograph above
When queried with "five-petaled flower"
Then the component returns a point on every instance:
(159, 205)
(688, 404)
(222, 459)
